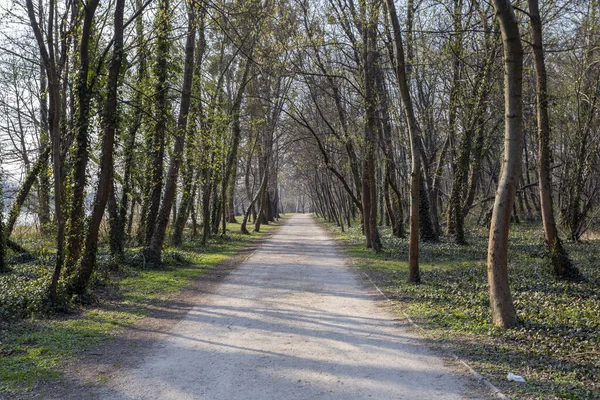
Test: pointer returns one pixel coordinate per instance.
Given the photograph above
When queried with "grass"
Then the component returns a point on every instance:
(556, 347)
(34, 345)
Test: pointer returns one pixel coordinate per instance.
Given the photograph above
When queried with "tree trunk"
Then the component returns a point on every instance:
(243, 228)
(156, 170)
(116, 249)
(84, 96)
(3, 267)
(206, 189)
(123, 227)
(563, 268)
(43, 180)
(110, 122)
(23, 192)
(54, 123)
(153, 252)
(503, 310)
(415, 173)
(236, 132)
(455, 92)
(369, 186)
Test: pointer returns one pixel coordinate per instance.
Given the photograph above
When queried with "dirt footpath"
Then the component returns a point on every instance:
(291, 322)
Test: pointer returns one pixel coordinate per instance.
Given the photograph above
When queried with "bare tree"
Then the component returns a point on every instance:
(413, 129)
(503, 310)
(563, 268)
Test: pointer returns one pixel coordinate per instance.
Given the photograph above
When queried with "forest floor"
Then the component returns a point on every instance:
(556, 347)
(292, 321)
(65, 355)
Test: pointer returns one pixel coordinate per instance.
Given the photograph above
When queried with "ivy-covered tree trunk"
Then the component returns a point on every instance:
(192, 172)
(206, 191)
(457, 49)
(262, 201)
(153, 251)
(3, 267)
(84, 96)
(427, 232)
(43, 183)
(230, 198)
(243, 228)
(578, 163)
(122, 222)
(110, 119)
(162, 26)
(236, 133)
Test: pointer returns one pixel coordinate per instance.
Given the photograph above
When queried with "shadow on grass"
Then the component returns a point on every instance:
(557, 345)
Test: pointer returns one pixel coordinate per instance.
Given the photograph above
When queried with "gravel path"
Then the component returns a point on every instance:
(292, 322)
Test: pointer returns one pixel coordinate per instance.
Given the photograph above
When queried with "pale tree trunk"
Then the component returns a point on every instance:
(110, 123)
(54, 113)
(503, 310)
(415, 173)
(563, 267)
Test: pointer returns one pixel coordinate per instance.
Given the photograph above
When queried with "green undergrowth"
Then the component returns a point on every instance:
(556, 347)
(34, 344)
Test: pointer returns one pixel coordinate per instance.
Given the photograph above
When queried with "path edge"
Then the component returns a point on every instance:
(81, 379)
(497, 392)
(480, 378)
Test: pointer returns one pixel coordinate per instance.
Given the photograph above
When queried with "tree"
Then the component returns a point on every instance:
(110, 119)
(369, 185)
(413, 129)
(153, 251)
(3, 266)
(155, 170)
(503, 310)
(47, 53)
(563, 268)
(84, 96)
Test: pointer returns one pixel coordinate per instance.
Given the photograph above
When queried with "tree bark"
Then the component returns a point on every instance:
(153, 252)
(236, 131)
(123, 205)
(503, 310)
(54, 123)
(110, 123)
(415, 173)
(369, 186)
(156, 170)
(563, 268)
(45, 146)
(3, 267)
(243, 228)
(84, 96)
